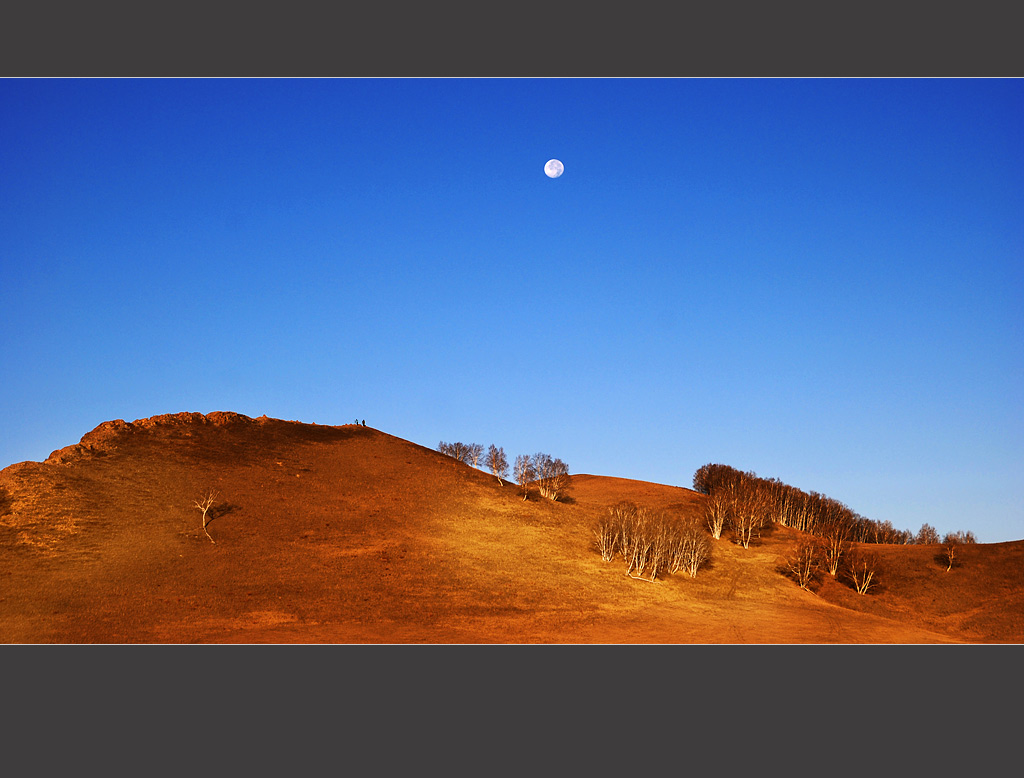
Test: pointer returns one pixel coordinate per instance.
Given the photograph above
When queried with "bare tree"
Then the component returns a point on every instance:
(747, 516)
(927, 535)
(641, 544)
(622, 516)
(607, 536)
(651, 542)
(716, 511)
(862, 569)
(467, 453)
(664, 538)
(497, 463)
(523, 473)
(204, 504)
(692, 549)
(634, 537)
(804, 563)
(950, 545)
(552, 476)
(833, 544)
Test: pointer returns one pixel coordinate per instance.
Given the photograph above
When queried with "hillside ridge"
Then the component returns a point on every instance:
(349, 534)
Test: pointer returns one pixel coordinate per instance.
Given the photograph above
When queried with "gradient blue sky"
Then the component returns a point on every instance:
(817, 280)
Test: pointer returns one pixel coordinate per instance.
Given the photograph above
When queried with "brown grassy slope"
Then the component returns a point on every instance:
(347, 534)
(981, 599)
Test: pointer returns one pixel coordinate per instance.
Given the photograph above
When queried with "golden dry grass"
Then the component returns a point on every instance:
(350, 535)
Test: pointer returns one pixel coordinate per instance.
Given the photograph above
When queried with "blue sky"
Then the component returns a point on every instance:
(816, 280)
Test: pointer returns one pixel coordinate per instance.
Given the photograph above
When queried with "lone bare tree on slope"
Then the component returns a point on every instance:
(204, 504)
(951, 545)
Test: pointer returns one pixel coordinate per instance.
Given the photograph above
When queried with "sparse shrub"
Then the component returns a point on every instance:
(862, 569)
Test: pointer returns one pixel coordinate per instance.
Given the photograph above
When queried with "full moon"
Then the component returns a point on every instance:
(553, 168)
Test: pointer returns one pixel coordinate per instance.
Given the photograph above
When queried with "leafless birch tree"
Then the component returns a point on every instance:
(523, 473)
(606, 534)
(664, 540)
(716, 510)
(692, 548)
(552, 476)
(804, 563)
(833, 545)
(862, 569)
(926, 535)
(747, 516)
(951, 546)
(467, 453)
(497, 463)
(203, 504)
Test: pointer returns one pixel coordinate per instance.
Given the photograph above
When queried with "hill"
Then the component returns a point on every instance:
(345, 534)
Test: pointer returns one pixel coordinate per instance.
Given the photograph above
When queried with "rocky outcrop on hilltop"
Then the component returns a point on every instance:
(109, 434)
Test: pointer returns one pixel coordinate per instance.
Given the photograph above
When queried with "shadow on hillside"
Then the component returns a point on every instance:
(220, 510)
(535, 496)
(941, 559)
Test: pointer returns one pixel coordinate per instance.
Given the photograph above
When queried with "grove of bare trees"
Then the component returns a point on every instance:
(548, 474)
(745, 503)
(776, 502)
(466, 453)
(651, 543)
